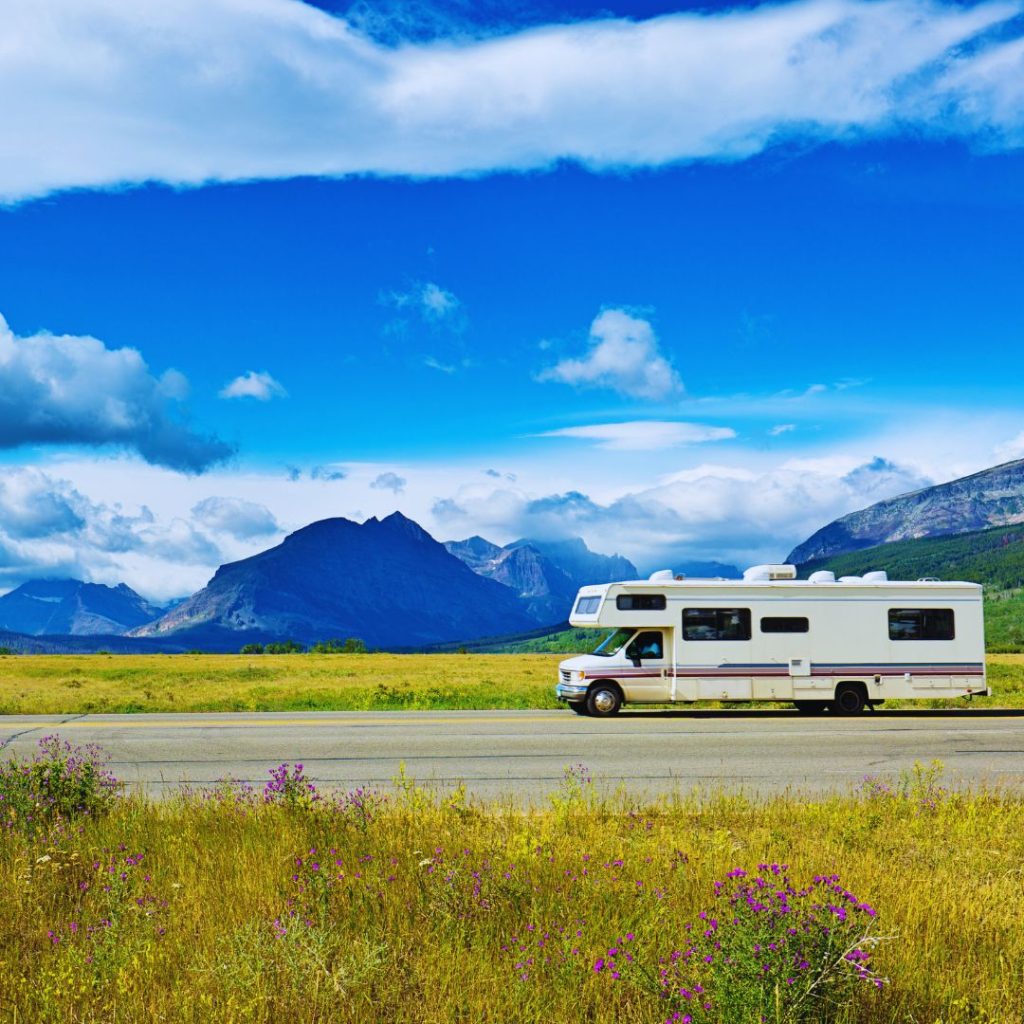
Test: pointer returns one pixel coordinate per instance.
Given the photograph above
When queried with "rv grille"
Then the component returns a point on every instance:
(566, 675)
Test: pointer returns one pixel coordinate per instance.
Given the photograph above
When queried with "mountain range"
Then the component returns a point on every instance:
(73, 608)
(993, 497)
(544, 575)
(386, 581)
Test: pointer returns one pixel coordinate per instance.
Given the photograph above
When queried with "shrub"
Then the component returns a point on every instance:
(766, 950)
(284, 647)
(353, 645)
(292, 789)
(251, 649)
(59, 784)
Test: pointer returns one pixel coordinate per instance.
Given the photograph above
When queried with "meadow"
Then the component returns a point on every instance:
(79, 684)
(899, 902)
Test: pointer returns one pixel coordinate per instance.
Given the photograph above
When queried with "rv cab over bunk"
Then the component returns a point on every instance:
(822, 644)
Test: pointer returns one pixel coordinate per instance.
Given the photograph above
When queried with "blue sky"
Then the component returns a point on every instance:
(688, 282)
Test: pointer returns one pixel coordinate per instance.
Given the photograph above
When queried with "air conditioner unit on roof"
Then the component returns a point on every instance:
(770, 572)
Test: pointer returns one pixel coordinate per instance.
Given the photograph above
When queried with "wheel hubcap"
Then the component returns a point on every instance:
(604, 700)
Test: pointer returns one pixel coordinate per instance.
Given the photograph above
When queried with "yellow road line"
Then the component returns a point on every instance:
(227, 723)
(321, 723)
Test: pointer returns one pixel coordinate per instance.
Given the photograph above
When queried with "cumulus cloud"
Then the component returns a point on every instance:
(251, 384)
(49, 527)
(881, 478)
(102, 94)
(726, 512)
(1009, 451)
(644, 435)
(62, 389)
(623, 357)
(33, 506)
(328, 473)
(235, 516)
(389, 482)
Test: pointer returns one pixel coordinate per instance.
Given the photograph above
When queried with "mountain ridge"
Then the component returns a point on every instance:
(989, 498)
(386, 581)
(545, 575)
(71, 607)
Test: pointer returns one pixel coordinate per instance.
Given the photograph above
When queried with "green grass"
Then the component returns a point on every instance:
(80, 684)
(430, 908)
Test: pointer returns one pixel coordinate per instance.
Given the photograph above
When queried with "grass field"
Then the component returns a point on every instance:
(236, 907)
(78, 684)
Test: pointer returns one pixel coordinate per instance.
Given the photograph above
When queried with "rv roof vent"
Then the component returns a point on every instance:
(661, 576)
(879, 576)
(851, 579)
(770, 572)
(822, 576)
(928, 579)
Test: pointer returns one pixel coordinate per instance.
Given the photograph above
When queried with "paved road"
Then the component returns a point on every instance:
(525, 752)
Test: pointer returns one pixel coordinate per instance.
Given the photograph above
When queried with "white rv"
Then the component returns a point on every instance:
(822, 643)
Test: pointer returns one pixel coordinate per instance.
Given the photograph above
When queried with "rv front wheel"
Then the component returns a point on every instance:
(603, 700)
(850, 699)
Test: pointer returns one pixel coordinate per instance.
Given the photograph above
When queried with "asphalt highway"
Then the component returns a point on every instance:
(524, 753)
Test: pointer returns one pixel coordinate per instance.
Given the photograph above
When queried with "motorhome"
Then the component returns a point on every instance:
(823, 644)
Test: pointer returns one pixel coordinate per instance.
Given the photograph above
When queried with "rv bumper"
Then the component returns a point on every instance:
(571, 691)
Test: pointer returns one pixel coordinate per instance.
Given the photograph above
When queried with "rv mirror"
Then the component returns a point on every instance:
(633, 653)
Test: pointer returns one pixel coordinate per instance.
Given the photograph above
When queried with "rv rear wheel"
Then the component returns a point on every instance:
(850, 699)
(603, 699)
(579, 706)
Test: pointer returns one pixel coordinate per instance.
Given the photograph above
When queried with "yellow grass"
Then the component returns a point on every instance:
(419, 896)
(75, 684)
(71, 684)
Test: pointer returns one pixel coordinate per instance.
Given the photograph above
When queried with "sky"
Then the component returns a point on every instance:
(687, 281)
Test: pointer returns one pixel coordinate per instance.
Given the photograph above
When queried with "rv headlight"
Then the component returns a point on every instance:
(578, 673)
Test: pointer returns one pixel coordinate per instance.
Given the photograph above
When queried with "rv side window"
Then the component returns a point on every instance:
(784, 624)
(645, 645)
(716, 623)
(640, 602)
(588, 605)
(921, 624)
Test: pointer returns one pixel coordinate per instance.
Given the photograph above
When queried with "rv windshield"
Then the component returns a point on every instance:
(613, 643)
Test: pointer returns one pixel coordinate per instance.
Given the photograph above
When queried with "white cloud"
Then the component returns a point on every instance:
(251, 384)
(781, 428)
(432, 302)
(644, 435)
(241, 519)
(49, 527)
(1008, 451)
(749, 504)
(116, 91)
(436, 364)
(32, 505)
(438, 303)
(711, 512)
(62, 389)
(389, 482)
(623, 357)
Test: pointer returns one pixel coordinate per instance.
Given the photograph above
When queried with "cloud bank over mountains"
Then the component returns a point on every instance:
(117, 92)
